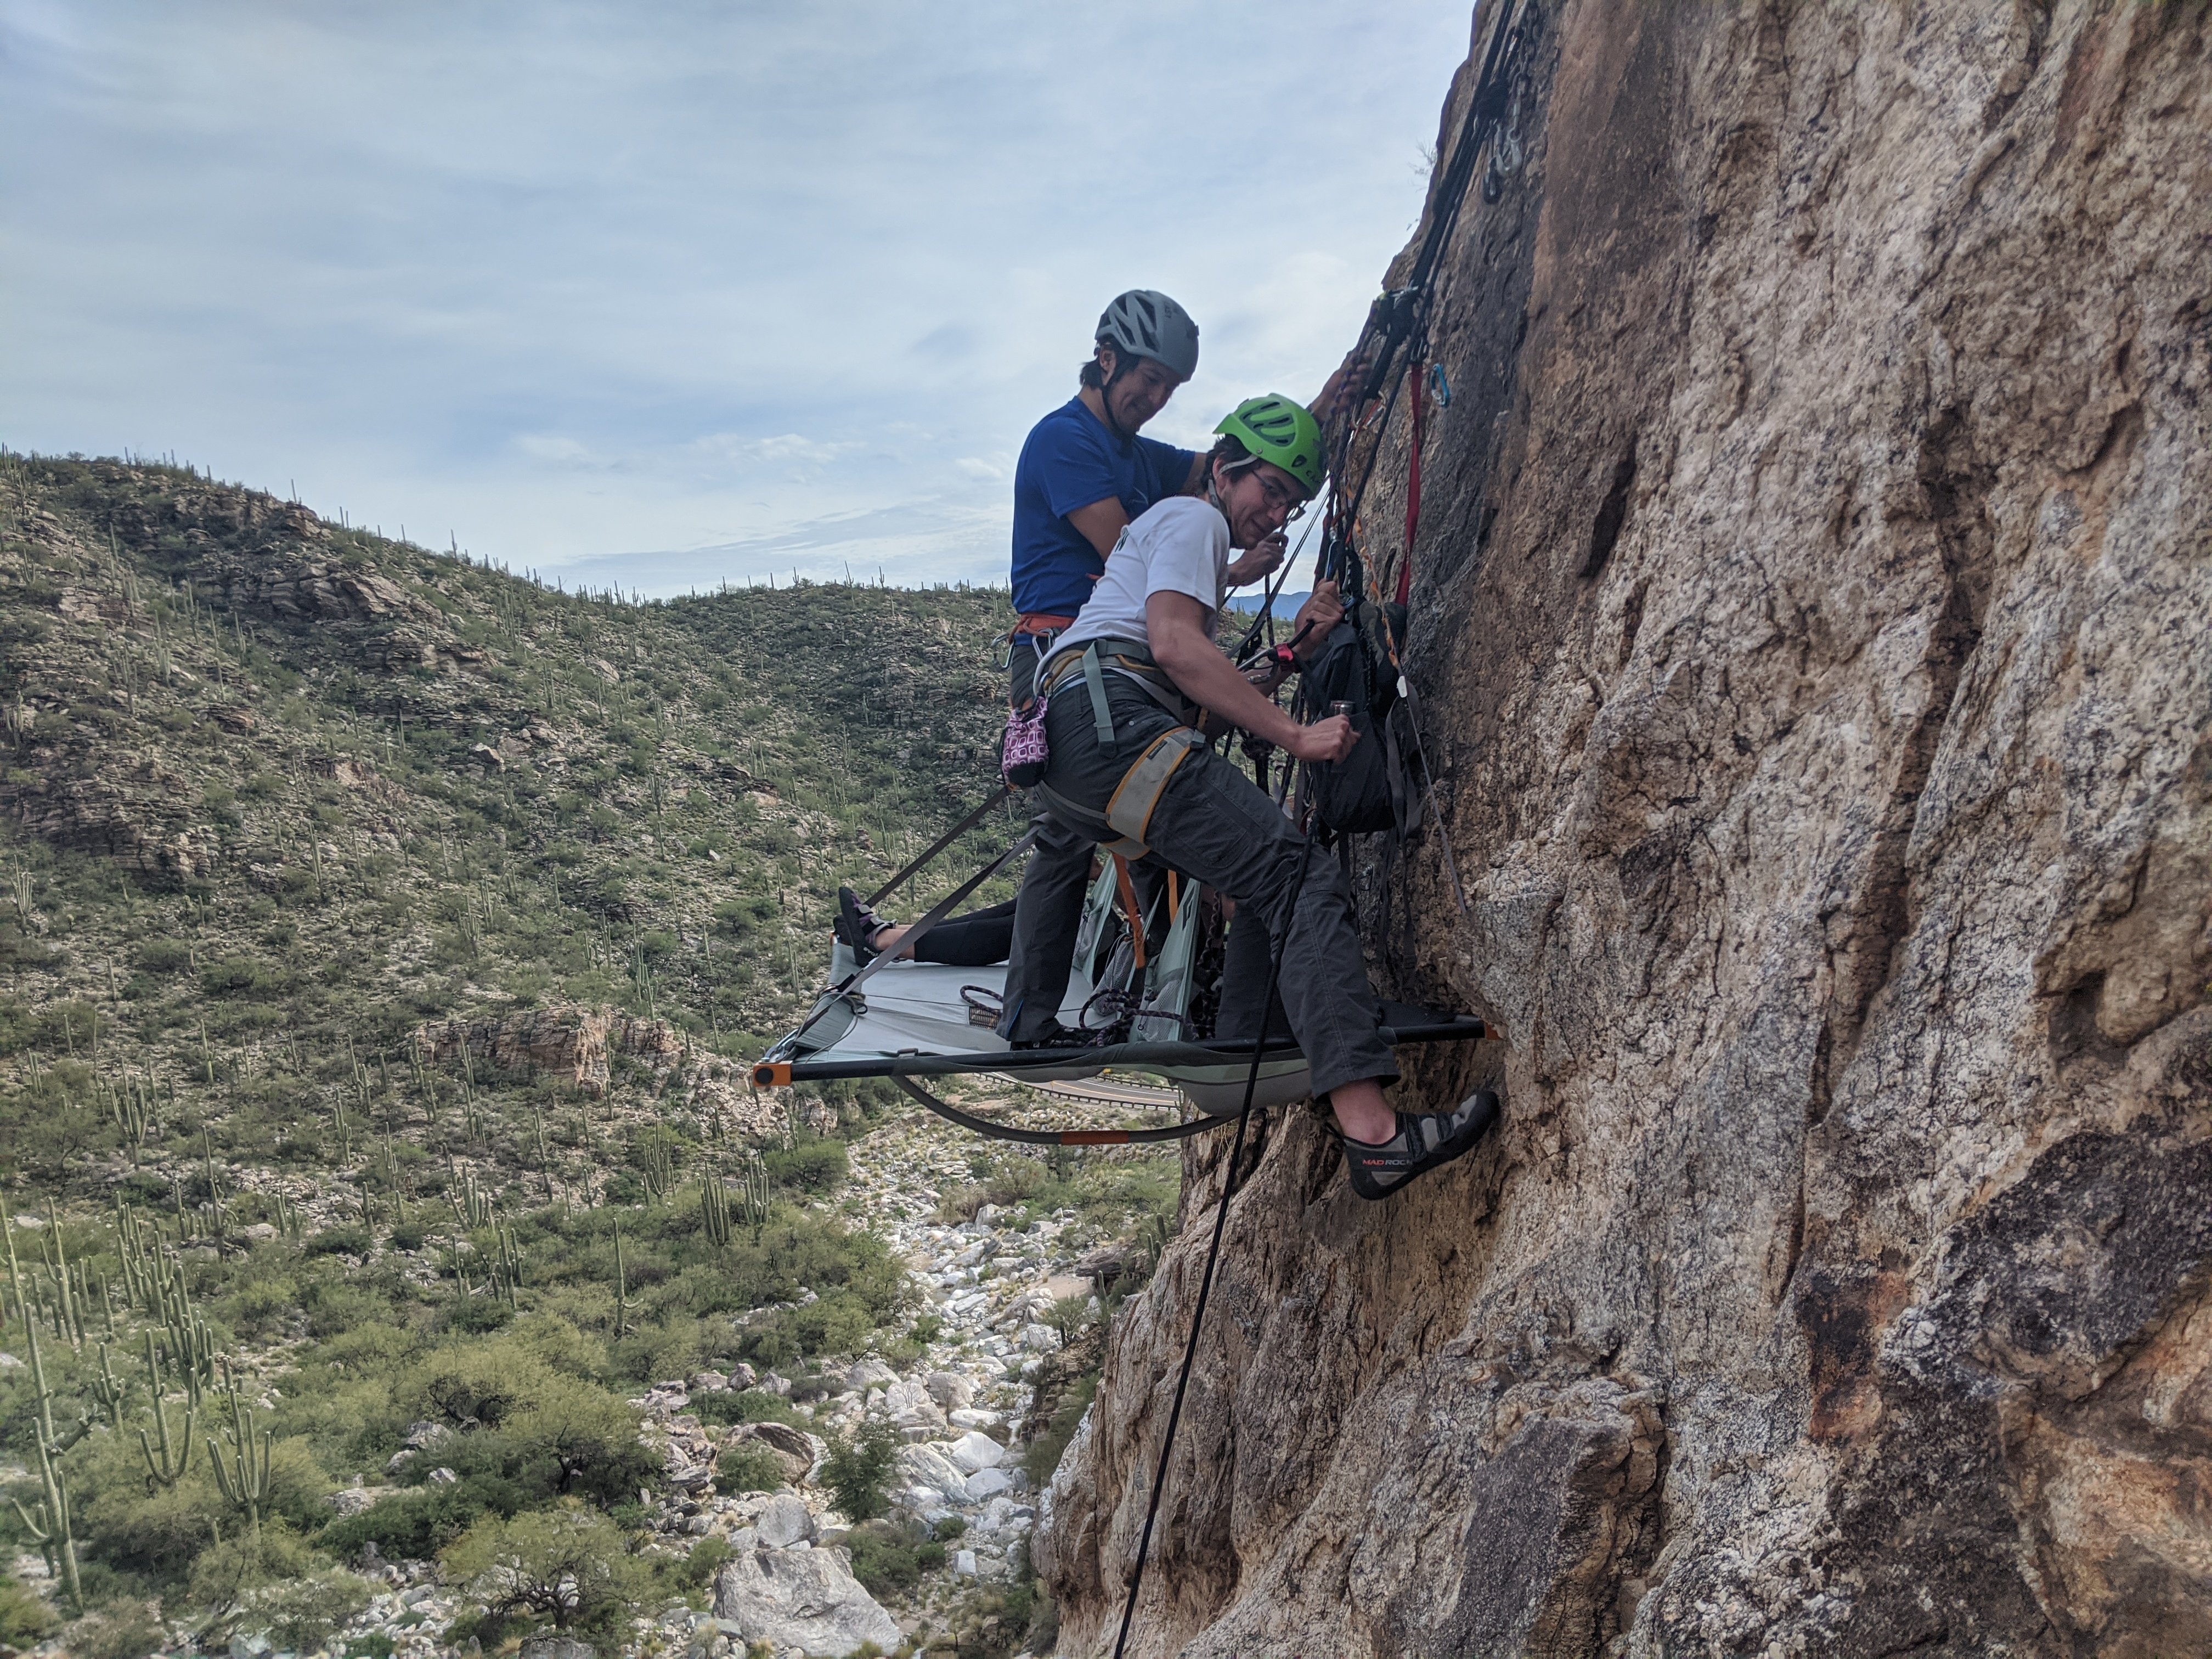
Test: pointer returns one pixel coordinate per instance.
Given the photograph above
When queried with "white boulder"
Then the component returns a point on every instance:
(950, 1390)
(804, 1599)
(870, 1374)
(973, 1450)
(784, 1520)
(987, 1485)
(929, 1466)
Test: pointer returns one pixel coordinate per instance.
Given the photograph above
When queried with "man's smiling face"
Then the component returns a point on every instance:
(1141, 392)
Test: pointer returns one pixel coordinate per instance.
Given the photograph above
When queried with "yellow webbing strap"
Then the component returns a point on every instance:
(1130, 811)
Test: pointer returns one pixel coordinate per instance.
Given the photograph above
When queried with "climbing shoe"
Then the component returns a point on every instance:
(1422, 1143)
(856, 926)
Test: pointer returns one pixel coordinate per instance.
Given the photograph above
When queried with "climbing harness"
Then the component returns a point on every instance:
(1121, 829)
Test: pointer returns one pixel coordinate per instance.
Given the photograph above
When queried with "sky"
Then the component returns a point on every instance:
(661, 294)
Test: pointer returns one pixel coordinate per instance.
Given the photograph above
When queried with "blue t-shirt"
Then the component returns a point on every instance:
(1070, 461)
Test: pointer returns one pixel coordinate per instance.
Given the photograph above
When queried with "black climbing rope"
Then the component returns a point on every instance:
(1212, 1252)
(1403, 313)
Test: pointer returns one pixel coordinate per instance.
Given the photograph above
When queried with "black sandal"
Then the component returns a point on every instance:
(856, 927)
(1422, 1143)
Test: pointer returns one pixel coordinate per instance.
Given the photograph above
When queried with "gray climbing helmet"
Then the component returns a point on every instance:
(1144, 323)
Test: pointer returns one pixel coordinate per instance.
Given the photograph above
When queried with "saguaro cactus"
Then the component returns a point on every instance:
(108, 1390)
(53, 1530)
(176, 1455)
(507, 1269)
(754, 1187)
(622, 1285)
(714, 1211)
(132, 1107)
(244, 1474)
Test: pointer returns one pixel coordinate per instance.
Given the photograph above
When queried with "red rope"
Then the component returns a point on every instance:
(1412, 491)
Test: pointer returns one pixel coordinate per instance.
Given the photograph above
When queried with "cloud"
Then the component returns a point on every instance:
(553, 449)
(584, 278)
(947, 342)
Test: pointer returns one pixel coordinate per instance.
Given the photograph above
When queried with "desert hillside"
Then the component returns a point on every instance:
(400, 1261)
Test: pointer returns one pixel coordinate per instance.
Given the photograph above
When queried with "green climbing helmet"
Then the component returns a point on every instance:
(1277, 430)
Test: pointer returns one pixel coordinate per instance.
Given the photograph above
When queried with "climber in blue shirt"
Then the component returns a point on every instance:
(1085, 472)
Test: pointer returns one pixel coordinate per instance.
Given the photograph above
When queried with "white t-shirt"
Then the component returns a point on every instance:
(1180, 545)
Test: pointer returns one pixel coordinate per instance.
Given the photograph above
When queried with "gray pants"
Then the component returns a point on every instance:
(1026, 653)
(1214, 825)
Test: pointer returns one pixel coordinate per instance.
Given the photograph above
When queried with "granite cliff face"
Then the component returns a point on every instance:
(1813, 608)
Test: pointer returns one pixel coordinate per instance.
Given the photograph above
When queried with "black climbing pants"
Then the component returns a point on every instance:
(1215, 825)
(1040, 962)
(975, 941)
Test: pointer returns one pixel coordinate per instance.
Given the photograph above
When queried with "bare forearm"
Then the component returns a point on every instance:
(1212, 681)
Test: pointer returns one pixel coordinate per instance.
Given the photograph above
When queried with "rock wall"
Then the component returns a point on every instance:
(1814, 607)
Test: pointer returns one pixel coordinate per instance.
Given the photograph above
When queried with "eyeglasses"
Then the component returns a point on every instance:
(1290, 505)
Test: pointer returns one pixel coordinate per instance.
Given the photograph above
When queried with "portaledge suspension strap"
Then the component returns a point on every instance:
(944, 908)
(937, 846)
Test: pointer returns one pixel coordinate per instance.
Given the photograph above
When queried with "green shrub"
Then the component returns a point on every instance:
(163, 956)
(158, 1534)
(260, 1309)
(347, 1238)
(128, 1630)
(335, 1308)
(1016, 1179)
(413, 1526)
(587, 1437)
(478, 1315)
(227, 1573)
(889, 1558)
(245, 976)
(1043, 1455)
(473, 1385)
(747, 1468)
(818, 1166)
(1068, 1315)
(708, 1557)
(25, 1619)
(299, 1613)
(745, 1406)
(570, 1565)
(858, 1468)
